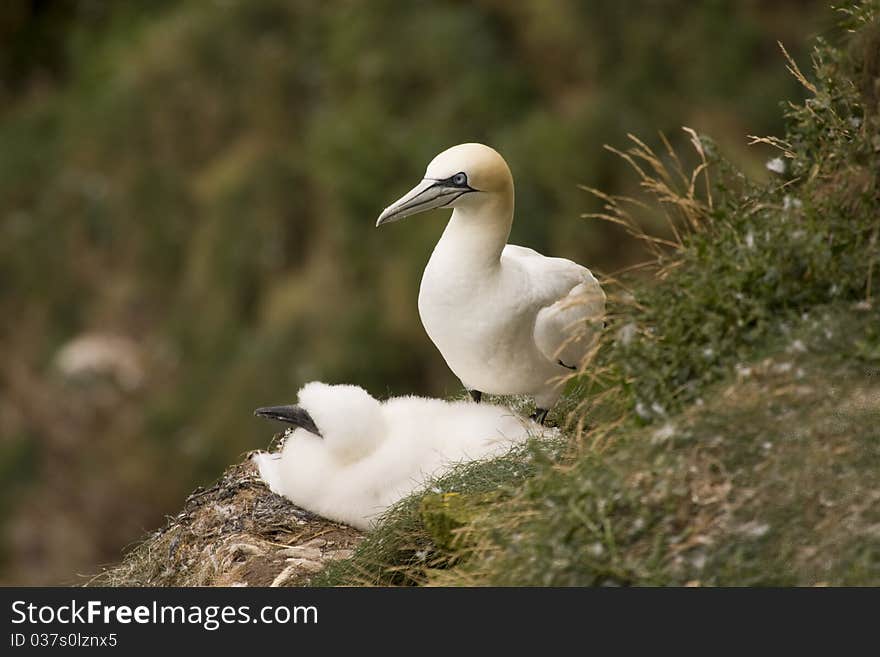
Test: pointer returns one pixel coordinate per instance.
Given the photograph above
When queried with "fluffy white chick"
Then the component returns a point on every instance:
(351, 456)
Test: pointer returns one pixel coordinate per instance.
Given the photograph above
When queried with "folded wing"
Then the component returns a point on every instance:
(570, 306)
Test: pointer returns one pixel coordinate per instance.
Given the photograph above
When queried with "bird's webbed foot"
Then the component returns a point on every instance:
(539, 415)
(476, 395)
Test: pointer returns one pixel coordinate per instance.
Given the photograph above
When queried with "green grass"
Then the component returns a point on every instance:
(769, 481)
(402, 551)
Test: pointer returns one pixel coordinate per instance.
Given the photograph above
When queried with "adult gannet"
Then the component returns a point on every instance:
(506, 319)
(350, 456)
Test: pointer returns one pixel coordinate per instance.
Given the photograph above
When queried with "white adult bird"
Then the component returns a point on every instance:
(506, 319)
(350, 456)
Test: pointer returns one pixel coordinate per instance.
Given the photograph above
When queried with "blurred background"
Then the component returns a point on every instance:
(188, 192)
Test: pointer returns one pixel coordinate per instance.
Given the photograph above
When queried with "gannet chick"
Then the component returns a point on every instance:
(506, 319)
(351, 457)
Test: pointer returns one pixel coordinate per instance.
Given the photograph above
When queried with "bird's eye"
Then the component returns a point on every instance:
(459, 179)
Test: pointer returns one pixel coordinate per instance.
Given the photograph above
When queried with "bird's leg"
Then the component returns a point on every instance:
(539, 415)
(476, 395)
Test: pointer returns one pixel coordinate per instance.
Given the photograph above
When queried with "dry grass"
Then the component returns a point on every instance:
(672, 188)
(235, 533)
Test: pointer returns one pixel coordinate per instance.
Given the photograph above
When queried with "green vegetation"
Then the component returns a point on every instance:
(402, 550)
(757, 255)
(755, 361)
(769, 482)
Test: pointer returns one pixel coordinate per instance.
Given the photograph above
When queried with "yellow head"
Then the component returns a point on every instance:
(461, 176)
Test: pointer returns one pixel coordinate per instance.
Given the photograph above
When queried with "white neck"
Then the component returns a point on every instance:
(476, 235)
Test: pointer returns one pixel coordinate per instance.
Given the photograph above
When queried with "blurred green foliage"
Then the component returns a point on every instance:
(203, 177)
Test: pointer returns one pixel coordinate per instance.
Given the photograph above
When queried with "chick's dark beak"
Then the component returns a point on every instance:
(295, 415)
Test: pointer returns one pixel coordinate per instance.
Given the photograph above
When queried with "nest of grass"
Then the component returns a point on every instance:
(235, 533)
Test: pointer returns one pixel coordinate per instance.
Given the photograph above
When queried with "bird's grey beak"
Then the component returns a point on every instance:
(295, 415)
(427, 195)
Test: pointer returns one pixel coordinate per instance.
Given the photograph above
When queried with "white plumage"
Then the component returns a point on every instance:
(506, 319)
(352, 456)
